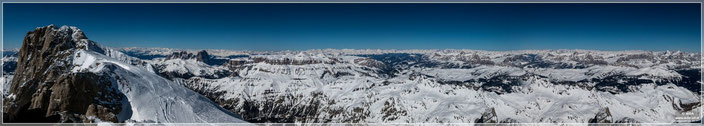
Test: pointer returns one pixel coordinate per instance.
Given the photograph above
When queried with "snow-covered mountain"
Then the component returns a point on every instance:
(9, 64)
(387, 86)
(530, 86)
(62, 76)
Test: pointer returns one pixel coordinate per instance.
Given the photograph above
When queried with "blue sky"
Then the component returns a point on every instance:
(258, 26)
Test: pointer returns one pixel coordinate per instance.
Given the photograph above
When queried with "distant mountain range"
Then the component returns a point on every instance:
(342, 85)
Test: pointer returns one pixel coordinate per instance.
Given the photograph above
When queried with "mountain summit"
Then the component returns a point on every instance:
(62, 76)
(45, 90)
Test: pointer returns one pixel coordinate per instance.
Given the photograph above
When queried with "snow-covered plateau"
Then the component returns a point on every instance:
(387, 86)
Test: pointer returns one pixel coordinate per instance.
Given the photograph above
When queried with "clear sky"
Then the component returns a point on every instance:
(258, 26)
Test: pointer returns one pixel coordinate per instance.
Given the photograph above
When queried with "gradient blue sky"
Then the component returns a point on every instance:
(258, 26)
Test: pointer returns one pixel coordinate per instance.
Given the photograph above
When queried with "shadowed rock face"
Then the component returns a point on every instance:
(489, 117)
(45, 90)
(604, 116)
(201, 56)
(180, 55)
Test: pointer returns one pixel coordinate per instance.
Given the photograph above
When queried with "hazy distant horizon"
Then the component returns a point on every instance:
(297, 27)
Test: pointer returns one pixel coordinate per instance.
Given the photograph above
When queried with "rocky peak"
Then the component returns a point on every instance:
(180, 55)
(45, 90)
(603, 116)
(489, 116)
(203, 56)
(206, 58)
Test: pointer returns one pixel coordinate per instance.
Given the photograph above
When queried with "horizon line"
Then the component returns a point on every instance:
(321, 49)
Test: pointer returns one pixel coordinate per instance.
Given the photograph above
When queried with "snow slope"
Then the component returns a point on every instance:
(381, 86)
(75, 72)
(151, 97)
(451, 88)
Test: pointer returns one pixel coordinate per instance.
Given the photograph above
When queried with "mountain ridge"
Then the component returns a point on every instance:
(413, 86)
(80, 81)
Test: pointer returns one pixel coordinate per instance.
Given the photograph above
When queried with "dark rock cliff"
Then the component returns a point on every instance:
(45, 89)
(201, 56)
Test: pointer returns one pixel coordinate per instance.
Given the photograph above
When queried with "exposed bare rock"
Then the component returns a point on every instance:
(44, 89)
(603, 116)
(627, 120)
(203, 56)
(180, 55)
(488, 117)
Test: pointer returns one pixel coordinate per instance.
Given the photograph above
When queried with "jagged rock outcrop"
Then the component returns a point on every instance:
(509, 120)
(627, 120)
(180, 55)
(44, 89)
(200, 56)
(203, 56)
(183, 64)
(206, 58)
(488, 117)
(603, 116)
